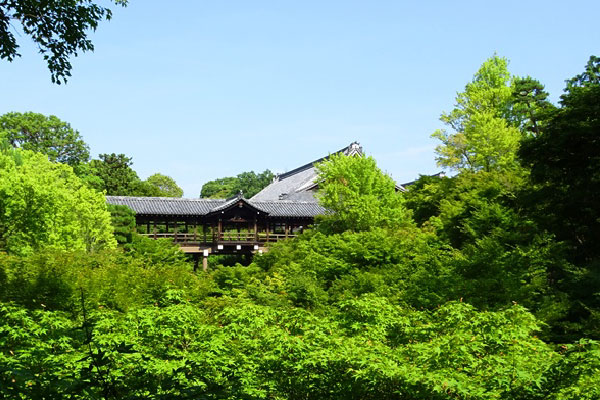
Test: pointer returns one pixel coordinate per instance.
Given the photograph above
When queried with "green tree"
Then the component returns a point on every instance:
(483, 138)
(565, 172)
(165, 184)
(358, 195)
(59, 28)
(47, 135)
(123, 221)
(117, 177)
(565, 164)
(220, 188)
(530, 105)
(249, 183)
(44, 204)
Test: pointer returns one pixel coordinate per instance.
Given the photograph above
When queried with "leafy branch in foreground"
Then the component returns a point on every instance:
(59, 28)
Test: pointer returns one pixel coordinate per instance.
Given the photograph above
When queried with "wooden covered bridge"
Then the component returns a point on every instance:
(219, 226)
(236, 225)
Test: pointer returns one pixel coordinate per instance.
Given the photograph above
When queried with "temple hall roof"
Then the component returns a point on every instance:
(200, 207)
(297, 184)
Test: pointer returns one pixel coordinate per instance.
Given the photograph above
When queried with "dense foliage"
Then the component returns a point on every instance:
(465, 287)
(45, 205)
(249, 183)
(47, 135)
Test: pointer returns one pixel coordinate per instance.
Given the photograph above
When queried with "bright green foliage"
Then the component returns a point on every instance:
(483, 139)
(47, 135)
(220, 188)
(43, 204)
(59, 28)
(491, 293)
(166, 185)
(159, 251)
(249, 183)
(358, 195)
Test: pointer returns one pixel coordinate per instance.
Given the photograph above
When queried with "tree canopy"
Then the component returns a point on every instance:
(167, 187)
(59, 28)
(565, 164)
(44, 134)
(358, 195)
(45, 205)
(483, 138)
(249, 183)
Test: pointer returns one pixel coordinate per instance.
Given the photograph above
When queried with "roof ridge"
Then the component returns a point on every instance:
(164, 198)
(283, 201)
(311, 164)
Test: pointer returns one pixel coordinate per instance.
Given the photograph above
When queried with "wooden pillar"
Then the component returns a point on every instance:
(195, 230)
(147, 227)
(286, 229)
(175, 231)
(267, 224)
(255, 230)
(219, 230)
(154, 228)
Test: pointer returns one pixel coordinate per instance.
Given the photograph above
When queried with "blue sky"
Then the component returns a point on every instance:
(204, 89)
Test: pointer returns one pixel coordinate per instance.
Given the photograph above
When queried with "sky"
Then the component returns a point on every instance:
(199, 90)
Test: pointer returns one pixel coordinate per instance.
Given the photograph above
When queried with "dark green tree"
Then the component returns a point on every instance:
(590, 77)
(565, 164)
(117, 177)
(565, 171)
(249, 183)
(530, 105)
(59, 28)
(123, 222)
(45, 134)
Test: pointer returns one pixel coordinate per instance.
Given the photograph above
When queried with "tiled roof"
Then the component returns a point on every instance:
(289, 185)
(285, 208)
(200, 207)
(166, 205)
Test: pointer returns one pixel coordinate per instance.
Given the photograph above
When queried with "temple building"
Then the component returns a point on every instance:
(300, 184)
(235, 225)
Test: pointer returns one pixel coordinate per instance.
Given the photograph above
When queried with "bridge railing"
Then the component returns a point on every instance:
(239, 237)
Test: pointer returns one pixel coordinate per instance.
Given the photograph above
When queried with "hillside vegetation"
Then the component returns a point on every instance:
(483, 285)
